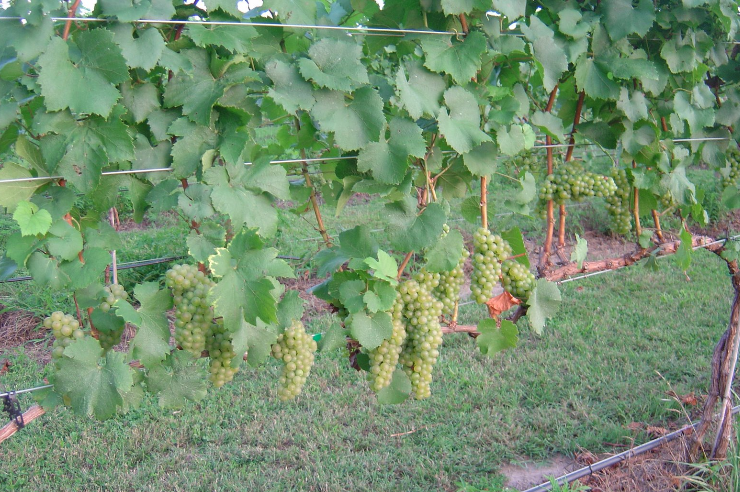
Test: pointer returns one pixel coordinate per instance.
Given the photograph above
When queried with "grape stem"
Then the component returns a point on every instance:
(313, 199)
(68, 25)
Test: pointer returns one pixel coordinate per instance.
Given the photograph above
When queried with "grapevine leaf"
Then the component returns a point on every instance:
(31, 219)
(7, 267)
(8, 113)
(493, 339)
(388, 161)
(83, 273)
(371, 330)
(460, 59)
(446, 253)
(455, 7)
(512, 9)
(229, 6)
(293, 11)
(19, 248)
(385, 267)
(46, 272)
(334, 338)
(199, 247)
(635, 107)
(519, 203)
(594, 81)
(355, 123)
(93, 388)
(144, 51)
(697, 118)
(550, 124)
(264, 177)
(515, 239)
(28, 40)
(381, 298)
(515, 139)
(196, 91)
(358, 242)
(255, 341)
(106, 322)
(481, 160)
(140, 99)
(470, 210)
(290, 90)
(396, 392)
(67, 240)
(237, 39)
(13, 193)
(683, 253)
(461, 128)
(580, 251)
(334, 64)
(125, 11)
(31, 154)
(621, 18)
(351, 294)
(679, 54)
(234, 295)
(151, 343)
(329, 259)
(177, 380)
(419, 94)
(195, 201)
(544, 301)
(87, 84)
(188, 150)
(646, 239)
(412, 232)
(290, 308)
(548, 53)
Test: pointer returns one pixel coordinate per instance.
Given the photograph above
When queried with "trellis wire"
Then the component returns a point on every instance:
(28, 390)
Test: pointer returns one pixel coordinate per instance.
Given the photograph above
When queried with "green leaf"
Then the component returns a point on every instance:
(512, 9)
(195, 91)
(67, 240)
(460, 59)
(28, 40)
(93, 388)
(87, 84)
(493, 339)
(580, 251)
(289, 89)
(358, 242)
(482, 160)
(621, 18)
(412, 232)
(177, 380)
(550, 124)
(293, 11)
(591, 78)
(381, 298)
(140, 99)
(519, 203)
(461, 128)
(679, 54)
(697, 118)
(396, 392)
(515, 139)
(548, 53)
(13, 193)
(188, 150)
(31, 219)
(420, 93)
(335, 64)
(385, 267)
(355, 123)
(195, 201)
(151, 344)
(446, 253)
(19, 248)
(388, 160)
(544, 301)
(290, 308)
(7, 268)
(125, 10)
(255, 341)
(351, 294)
(371, 330)
(516, 240)
(46, 272)
(237, 39)
(645, 239)
(83, 273)
(683, 253)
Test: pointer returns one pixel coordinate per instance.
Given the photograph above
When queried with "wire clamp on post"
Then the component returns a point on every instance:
(13, 409)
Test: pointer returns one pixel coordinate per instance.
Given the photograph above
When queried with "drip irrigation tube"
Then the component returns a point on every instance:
(618, 458)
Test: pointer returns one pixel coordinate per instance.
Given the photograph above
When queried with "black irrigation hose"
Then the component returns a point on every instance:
(618, 458)
(134, 264)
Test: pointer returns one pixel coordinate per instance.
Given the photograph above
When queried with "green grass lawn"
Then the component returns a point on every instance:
(619, 343)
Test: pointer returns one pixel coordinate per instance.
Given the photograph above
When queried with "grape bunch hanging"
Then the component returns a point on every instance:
(384, 358)
(295, 348)
(65, 328)
(618, 203)
(731, 172)
(489, 251)
(109, 338)
(193, 313)
(570, 181)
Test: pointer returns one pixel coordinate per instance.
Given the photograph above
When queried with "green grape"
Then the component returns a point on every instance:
(570, 181)
(517, 280)
(296, 349)
(489, 250)
(618, 204)
(221, 352)
(193, 313)
(383, 359)
(65, 328)
(423, 333)
(113, 293)
(731, 172)
(450, 283)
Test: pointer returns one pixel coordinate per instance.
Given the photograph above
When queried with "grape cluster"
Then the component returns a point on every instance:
(383, 359)
(618, 204)
(221, 351)
(527, 162)
(66, 329)
(517, 280)
(572, 182)
(296, 349)
(193, 314)
(489, 250)
(666, 200)
(732, 170)
(113, 293)
(423, 332)
(450, 283)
